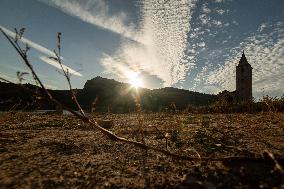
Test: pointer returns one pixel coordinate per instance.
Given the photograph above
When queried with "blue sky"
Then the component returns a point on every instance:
(190, 44)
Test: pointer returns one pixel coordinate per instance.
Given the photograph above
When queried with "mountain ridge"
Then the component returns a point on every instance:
(105, 95)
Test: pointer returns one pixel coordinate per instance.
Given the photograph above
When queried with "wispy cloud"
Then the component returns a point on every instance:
(57, 65)
(220, 11)
(162, 37)
(96, 12)
(164, 50)
(26, 79)
(164, 34)
(265, 52)
(7, 77)
(205, 8)
(220, 1)
(32, 44)
(41, 49)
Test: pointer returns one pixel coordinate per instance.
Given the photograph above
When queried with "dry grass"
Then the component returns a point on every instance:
(53, 151)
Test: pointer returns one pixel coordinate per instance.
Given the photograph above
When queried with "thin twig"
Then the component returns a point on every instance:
(66, 73)
(106, 132)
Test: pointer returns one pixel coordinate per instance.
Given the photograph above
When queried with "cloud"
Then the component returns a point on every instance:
(205, 9)
(235, 22)
(264, 51)
(219, 1)
(156, 53)
(7, 77)
(216, 22)
(13, 78)
(41, 49)
(57, 65)
(262, 27)
(29, 42)
(164, 35)
(96, 12)
(201, 44)
(204, 19)
(161, 36)
(27, 79)
(220, 11)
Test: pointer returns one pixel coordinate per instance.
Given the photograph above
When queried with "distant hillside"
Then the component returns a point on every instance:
(105, 95)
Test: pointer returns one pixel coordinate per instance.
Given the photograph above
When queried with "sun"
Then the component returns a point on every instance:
(134, 80)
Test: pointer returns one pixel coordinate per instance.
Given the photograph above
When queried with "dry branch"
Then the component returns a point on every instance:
(94, 123)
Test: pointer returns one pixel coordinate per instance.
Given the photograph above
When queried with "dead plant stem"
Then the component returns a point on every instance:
(106, 132)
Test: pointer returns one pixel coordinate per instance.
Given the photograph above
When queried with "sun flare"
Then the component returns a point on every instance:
(134, 80)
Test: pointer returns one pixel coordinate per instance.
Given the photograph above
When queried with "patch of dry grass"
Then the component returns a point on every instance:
(53, 151)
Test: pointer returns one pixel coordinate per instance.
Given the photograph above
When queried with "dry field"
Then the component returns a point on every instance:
(53, 151)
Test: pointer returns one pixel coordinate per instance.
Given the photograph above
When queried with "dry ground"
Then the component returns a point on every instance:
(53, 151)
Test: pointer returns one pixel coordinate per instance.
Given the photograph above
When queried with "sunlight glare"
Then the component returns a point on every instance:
(134, 80)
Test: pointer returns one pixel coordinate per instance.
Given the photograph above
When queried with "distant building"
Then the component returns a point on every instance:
(243, 90)
(243, 80)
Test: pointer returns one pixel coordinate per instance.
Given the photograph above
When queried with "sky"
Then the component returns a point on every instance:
(189, 44)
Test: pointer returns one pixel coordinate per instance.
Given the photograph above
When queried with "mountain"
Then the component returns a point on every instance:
(103, 95)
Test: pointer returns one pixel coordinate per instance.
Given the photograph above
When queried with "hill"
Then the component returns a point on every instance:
(105, 95)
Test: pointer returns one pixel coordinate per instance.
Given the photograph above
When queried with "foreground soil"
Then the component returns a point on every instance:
(55, 151)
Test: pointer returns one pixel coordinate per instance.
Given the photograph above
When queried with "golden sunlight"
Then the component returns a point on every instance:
(134, 80)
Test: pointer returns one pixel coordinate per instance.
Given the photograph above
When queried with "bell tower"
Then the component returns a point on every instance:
(243, 80)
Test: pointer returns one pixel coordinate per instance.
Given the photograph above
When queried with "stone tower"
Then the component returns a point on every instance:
(243, 80)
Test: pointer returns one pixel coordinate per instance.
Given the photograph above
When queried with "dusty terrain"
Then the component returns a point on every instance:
(53, 151)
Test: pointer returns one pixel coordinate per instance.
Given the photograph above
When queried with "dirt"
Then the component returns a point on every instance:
(55, 151)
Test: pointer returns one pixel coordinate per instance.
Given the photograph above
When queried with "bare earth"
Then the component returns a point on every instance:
(53, 151)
